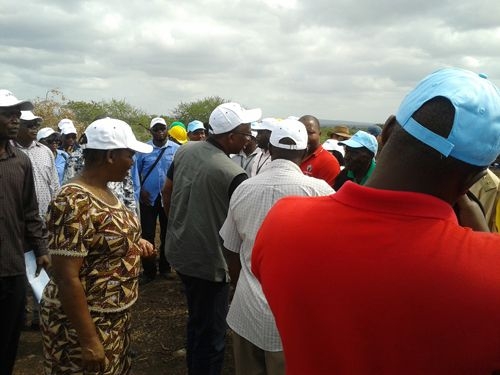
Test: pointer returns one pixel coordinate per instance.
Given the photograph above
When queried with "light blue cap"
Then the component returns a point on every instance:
(195, 125)
(475, 136)
(362, 139)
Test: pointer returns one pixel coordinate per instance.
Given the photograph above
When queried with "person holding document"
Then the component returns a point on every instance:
(95, 244)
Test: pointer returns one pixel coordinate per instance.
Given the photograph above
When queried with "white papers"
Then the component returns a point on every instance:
(37, 283)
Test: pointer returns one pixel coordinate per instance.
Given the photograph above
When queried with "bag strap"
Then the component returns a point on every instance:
(154, 165)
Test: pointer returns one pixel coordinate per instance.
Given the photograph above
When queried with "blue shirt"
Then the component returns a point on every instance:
(156, 179)
(60, 160)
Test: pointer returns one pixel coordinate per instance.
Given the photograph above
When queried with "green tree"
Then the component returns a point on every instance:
(197, 110)
(87, 112)
(53, 108)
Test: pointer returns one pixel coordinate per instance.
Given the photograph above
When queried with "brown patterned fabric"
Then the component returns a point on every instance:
(81, 225)
(62, 352)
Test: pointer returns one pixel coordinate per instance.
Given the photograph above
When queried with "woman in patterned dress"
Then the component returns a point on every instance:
(96, 247)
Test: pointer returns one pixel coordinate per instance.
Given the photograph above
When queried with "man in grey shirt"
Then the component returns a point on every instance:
(196, 196)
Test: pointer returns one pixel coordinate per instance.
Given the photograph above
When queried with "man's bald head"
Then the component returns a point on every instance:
(313, 131)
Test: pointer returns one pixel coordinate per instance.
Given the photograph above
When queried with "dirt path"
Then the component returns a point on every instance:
(159, 324)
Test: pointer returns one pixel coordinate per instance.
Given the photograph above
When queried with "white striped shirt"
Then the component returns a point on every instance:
(44, 173)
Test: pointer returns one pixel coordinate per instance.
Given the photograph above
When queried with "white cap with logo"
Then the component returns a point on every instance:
(7, 99)
(228, 116)
(289, 134)
(109, 134)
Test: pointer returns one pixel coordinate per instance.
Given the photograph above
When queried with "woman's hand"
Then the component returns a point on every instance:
(146, 248)
(93, 359)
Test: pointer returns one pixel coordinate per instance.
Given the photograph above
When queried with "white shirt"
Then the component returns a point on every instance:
(44, 173)
(260, 161)
(246, 161)
(249, 314)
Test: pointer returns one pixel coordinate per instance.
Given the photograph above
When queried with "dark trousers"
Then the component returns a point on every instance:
(149, 216)
(206, 328)
(12, 299)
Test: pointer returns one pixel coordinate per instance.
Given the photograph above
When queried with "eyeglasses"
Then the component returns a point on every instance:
(9, 113)
(248, 136)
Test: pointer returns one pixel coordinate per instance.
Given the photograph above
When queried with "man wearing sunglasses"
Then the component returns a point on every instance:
(20, 226)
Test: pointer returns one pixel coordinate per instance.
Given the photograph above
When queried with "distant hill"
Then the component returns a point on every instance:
(350, 124)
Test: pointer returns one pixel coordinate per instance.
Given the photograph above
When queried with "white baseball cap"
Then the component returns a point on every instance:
(69, 129)
(157, 120)
(65, 122)
(333, 145)
(29, 116)
(228, 116)
(7, 99)
(109, 134)
(44, 133)
(268, 123)
(292, 129)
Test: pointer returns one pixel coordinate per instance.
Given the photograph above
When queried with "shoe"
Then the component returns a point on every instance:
(144, 279)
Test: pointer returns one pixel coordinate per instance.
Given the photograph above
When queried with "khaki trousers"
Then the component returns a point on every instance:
(251, 360)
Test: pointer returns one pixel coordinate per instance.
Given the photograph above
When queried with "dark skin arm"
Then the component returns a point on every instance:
(74, 302)
(166, 195)
(233, 264)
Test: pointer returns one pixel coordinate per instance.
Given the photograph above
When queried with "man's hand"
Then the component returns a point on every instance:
(144, 197)
(42, 262)
(146, 248)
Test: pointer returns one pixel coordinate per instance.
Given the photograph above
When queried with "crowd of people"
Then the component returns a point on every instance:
(368, 253)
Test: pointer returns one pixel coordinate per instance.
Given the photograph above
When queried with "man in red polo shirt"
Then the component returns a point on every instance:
(396, 285)
(318, 162)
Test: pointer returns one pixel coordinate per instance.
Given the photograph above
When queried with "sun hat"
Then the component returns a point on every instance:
(178, 133)
(362, 139)
(157, 120)
(44, 133)
(228, 116)
(109, 134)
(267, 123)
(7, 99)
(29, 116)
(292, 129)
(340, 130)
(195, 125)
(475, 134)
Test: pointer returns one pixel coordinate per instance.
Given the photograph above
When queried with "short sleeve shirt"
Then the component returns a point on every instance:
(81, 225)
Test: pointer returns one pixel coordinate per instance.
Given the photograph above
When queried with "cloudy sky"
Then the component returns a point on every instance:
(336, 59)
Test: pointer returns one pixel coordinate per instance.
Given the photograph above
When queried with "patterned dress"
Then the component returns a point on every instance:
(124, 190)
(81, 225)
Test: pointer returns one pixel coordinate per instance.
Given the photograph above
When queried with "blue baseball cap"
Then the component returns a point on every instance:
(362, 139)
(195, 125)
(475, 135)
